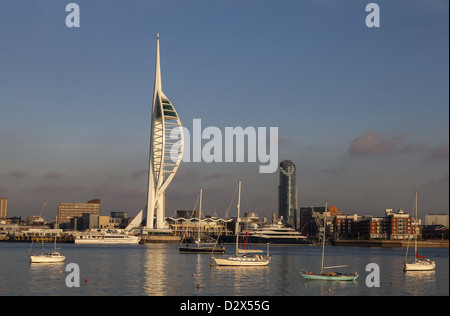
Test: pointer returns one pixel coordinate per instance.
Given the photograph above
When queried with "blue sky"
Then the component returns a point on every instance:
(362, 112)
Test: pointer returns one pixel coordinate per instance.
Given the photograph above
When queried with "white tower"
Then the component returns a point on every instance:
(166, 150)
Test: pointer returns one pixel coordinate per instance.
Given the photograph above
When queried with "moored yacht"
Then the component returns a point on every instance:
(243, 257)
(277, 234)
(420, 263)
(47, 257)
(105, 237)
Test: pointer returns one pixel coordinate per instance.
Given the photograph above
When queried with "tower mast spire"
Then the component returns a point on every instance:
(165, 150)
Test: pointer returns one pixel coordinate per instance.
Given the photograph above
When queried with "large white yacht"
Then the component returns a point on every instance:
(105, 237)
(277, 234)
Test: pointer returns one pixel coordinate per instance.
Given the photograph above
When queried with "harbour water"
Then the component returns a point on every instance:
(159, 269)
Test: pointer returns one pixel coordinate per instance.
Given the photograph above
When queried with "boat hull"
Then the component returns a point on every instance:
(240, 261)
(131, 240)
(201, 250)
(324, 277)
(46, 259)
(420, 266)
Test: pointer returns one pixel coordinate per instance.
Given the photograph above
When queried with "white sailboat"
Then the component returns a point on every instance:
(328, 276)
(420, 263)
(45, 256)
(201, 247)
(243, 257)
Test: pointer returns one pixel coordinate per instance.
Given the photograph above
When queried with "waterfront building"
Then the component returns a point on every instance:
(344, 225)
(3, 207)
(92, 221)
(308, 224)
(436, 219)
(118, 220)
(8, 229)
(67, 211)
(368, 227)
(119, 214)
(400, 225)
(188, 227)
(435, 232)
(287, 194)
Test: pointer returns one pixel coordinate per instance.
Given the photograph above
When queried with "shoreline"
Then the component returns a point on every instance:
(391, 243)
(336, 243)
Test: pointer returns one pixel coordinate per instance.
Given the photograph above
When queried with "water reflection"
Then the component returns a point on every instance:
(415, 281)
(44, 277)
(162, 270)
(155, 267)
(242, 280)
(322, 287)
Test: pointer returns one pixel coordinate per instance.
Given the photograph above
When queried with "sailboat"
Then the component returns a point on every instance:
(243, 257)
(202, 247)
(328, 276)
(420, 263)
(45, 257)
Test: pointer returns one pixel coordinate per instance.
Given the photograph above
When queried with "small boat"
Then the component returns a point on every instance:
(420, 263)
(45, 257)
(331, 276)
(200, 247)
(327, 276)
(243, 257)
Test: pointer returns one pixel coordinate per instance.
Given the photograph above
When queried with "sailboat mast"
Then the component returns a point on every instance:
(324, 236)
(238, 215)
(43, 222)
(199, 217)
(416, 229)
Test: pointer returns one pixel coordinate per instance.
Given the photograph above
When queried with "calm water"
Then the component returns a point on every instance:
(159, 269)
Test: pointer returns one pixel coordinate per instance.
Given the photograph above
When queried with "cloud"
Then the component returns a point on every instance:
(138, 173)
(282, 140)
(371, 144)
(216, 176)
(16, 174)
(3, 189)
(53, 175)
(440, 152)
(192, 175)
(119, 191)
(335, 170)
(64, 188)
(135, 174)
